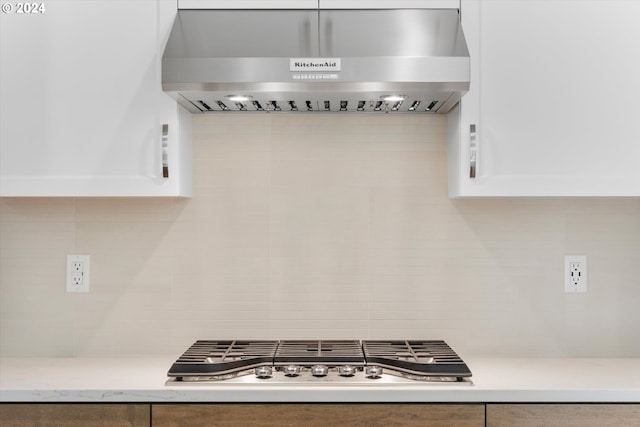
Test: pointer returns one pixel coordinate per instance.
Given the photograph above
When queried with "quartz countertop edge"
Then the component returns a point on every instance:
(142, 379)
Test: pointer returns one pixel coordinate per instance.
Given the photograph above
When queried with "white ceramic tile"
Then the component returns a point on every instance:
(35, 210)
(234, 169)
(215, 135)
(50, 335)
(317, 227)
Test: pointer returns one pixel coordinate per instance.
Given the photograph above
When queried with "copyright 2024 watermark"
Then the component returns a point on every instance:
(24, 8)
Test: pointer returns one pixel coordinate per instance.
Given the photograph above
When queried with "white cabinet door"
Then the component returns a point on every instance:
(315, 4)
(81, 104)
(554, 95)
(248, 4)
(389, 4)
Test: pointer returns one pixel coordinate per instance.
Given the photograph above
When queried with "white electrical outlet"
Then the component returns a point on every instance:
(77, 273)
(575, 273)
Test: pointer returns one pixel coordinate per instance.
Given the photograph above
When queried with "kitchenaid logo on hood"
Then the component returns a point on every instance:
(314, 64)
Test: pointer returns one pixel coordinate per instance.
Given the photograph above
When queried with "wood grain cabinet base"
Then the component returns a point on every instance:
(563, 415)
(74, 415)
(317, 415)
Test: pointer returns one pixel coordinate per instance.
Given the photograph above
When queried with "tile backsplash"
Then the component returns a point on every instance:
(319, 226)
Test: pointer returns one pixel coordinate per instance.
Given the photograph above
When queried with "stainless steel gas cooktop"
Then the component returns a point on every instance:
(319, 362)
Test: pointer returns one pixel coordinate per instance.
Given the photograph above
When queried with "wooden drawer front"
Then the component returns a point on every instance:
(73, 415)
(317, 415)
(563, 415)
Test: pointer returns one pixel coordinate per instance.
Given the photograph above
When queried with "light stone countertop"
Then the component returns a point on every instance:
(142, 379)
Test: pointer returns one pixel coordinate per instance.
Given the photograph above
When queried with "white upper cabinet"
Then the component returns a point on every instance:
(82, 107)
(554, 97)
(389, 4)
(315, 4)
(247, 4)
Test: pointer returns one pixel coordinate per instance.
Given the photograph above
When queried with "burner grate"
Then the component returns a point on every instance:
(207, 357)
(326, 352)
(419, 360)
(427, 358)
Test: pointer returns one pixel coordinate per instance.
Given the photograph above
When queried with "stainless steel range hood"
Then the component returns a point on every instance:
(394, 60)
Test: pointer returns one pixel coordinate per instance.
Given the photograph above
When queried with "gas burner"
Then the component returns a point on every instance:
(320, 361)
(416, 358)
(223, 358)
(309, 353)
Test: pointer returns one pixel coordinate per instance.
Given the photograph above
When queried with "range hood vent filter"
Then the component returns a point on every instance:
(328, 106)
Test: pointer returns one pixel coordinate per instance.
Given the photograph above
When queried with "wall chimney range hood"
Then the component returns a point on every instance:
(378, 60)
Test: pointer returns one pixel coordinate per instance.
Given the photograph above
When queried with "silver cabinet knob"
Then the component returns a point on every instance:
(319, 370)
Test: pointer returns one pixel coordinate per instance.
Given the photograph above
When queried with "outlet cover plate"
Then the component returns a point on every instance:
(78, 273)
(575, 273)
